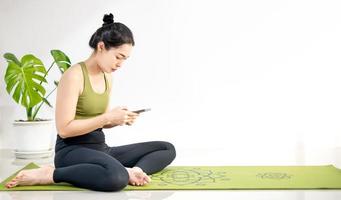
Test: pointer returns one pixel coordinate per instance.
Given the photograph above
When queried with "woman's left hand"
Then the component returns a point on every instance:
(130, 118)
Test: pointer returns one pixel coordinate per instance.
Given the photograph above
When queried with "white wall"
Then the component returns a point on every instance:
(255, 82)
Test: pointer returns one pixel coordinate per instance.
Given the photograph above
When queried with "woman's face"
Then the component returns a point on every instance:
(112, 59)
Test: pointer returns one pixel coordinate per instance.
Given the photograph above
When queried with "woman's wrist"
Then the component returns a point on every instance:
(108, 122)
(105, 119)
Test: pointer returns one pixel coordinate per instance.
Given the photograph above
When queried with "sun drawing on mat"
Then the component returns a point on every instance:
(191, 176)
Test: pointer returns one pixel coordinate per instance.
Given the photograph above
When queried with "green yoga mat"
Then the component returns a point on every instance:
(224, 178)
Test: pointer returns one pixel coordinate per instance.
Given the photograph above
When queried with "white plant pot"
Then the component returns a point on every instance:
(33, 139)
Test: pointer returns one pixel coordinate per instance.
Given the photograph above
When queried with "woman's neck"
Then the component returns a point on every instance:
(92, 66)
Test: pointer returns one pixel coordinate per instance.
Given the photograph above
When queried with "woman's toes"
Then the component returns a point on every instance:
(141, 182)
(10, 185)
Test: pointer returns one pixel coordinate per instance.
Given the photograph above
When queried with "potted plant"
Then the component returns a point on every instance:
(25, 82)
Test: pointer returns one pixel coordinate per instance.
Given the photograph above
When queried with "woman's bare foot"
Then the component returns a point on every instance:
(39, 176)
(137, 176)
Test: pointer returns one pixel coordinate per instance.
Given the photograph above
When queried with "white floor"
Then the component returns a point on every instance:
(9, 165)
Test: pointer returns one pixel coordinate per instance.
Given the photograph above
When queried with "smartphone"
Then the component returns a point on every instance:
(142, 110)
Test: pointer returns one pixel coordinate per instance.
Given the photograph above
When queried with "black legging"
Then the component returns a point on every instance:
(102, 168)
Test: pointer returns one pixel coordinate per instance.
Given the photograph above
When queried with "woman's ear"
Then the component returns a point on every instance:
(100, 46)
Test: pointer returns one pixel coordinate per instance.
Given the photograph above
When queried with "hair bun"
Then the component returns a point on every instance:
(108, 19)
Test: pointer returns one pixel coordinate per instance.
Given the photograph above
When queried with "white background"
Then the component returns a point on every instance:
(248, 82)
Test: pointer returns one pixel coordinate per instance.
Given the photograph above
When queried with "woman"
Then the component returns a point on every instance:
(82, 158)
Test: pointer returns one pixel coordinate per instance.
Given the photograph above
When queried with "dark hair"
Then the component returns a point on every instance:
(112, 34)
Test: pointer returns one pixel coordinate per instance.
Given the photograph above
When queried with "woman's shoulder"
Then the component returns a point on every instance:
(73, 74)
(73, 71)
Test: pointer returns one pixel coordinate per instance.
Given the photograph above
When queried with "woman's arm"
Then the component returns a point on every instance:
(68, 91)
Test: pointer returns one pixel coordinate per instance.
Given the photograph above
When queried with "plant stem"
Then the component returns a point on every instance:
(47, 71)
(29, 114)
(36, 111)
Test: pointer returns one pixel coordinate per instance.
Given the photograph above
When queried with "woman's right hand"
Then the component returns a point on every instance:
(117, 116)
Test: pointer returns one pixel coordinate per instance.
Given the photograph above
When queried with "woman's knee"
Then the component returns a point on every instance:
(171, 148)
(115, 180)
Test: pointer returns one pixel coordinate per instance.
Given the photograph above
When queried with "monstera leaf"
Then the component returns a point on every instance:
(62, 61)
(22, 79)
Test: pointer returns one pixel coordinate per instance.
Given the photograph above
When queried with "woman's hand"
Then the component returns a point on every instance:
(120, 116)
(131, 118)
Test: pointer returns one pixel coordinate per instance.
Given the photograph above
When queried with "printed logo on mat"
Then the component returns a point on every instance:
(274, 175)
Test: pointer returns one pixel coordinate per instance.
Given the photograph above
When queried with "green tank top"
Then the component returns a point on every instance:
(91, 103)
